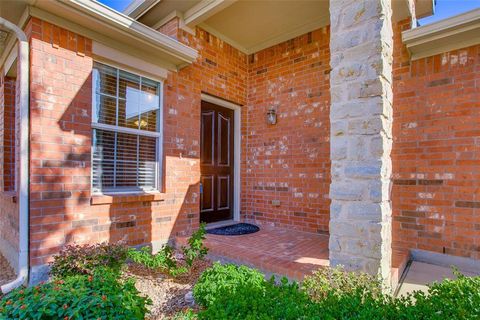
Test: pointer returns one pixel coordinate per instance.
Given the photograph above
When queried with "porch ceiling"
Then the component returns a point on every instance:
(253, 25)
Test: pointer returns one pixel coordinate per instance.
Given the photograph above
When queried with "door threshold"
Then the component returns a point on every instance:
(224, 223)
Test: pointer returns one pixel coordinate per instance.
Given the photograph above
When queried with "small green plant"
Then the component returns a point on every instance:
(84, 259)
(97, 296)
(338, 282)
(184, 315)
(196, 248)
(163, 260)
(220, 279)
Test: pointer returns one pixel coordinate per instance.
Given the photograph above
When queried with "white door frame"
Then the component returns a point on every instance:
(236, 148)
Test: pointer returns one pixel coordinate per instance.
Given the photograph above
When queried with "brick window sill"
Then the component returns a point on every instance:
(127, 197)
(10, 195)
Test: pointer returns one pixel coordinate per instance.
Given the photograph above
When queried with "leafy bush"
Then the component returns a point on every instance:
(268, 301)
(84, 259)
(230, 292)
(220, 280)
(338, 282)
(97, 296)
(449, 299)
(163, 260)
(196, 249)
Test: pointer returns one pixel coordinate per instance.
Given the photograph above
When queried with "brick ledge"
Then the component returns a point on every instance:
(128, 197)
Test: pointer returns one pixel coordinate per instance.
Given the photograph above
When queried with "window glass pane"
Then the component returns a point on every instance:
(105, 79)
(149, 105)
(129, 100)
(104, 109)
(147, 163)
(103, 159)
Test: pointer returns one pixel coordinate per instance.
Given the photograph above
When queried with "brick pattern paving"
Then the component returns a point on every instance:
(283, 252)
(6, 272)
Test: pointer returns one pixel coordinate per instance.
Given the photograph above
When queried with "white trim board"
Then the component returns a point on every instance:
(236, 145)
(128, 62)
(442, 36)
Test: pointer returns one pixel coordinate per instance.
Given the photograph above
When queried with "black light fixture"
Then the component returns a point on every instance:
(271, 116)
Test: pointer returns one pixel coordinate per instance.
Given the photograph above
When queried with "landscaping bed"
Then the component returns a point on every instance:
(111, 281)
(167, 293)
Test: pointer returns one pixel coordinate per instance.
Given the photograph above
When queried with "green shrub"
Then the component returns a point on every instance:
(449, 299)
(97, 296)
(163, 260)
(231, 292)
(268, 301)
(196, 249)
(338, 282)
(84, 259)
(220, 280)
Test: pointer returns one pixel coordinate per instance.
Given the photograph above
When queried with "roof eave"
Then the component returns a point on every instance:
(449, 34)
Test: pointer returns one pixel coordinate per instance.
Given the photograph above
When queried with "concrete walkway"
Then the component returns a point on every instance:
(420, 274)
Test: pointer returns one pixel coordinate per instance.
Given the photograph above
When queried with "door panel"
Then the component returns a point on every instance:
(216, 163)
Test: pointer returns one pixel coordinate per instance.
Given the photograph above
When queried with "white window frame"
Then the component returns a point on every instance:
(118, 129)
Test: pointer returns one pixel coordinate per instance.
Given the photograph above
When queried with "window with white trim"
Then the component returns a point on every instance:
(126, 137)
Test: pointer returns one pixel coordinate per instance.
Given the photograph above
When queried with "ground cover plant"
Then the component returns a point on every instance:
(104, 281)
(85, 259)
(165, 259)
(225, 292)
(97, 296)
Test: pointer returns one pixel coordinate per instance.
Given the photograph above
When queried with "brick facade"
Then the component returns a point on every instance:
(289, 161)
(436, 153)
(62, 207)
(9, 241)
(8, 133)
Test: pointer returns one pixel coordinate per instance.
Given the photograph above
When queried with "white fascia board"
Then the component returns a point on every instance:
(127, 62)
(445, 35)
(204, 10)
(136, 29)
(137, 8)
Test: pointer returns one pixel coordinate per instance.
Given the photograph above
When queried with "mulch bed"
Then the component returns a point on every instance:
(6, 272)
(167, 293)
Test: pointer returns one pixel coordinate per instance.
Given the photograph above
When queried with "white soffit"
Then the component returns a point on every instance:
(252, 26)
(449, 34)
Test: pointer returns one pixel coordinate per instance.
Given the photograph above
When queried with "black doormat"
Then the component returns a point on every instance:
(234, 230)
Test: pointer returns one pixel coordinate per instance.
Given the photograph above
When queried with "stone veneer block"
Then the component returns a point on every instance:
(361, 47)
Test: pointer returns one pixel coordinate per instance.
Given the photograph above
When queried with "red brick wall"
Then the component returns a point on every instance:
(62, 208)
(436, 151)
(289, 161)
(8, 206)
(8, 133)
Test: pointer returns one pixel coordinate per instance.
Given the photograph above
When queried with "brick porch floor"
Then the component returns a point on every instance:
(282, 252)
(274, 251)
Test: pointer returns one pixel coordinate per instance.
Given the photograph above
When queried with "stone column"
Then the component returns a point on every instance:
(361, 46)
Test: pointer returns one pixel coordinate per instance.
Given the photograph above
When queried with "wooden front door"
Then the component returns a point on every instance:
(216, 163)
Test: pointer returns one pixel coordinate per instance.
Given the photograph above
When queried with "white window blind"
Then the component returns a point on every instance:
(126, 137)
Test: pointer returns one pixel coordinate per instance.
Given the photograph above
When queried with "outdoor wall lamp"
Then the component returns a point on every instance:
(271, 116)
